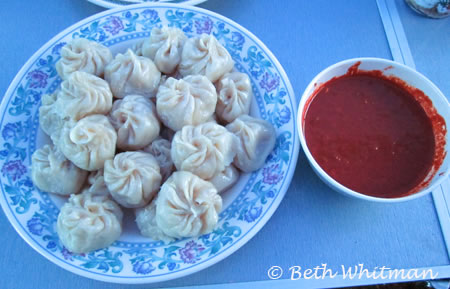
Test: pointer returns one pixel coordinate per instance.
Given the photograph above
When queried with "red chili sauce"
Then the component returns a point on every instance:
(374, 134)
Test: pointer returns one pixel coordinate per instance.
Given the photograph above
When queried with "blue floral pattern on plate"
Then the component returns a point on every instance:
(118, 3)
(246, 207)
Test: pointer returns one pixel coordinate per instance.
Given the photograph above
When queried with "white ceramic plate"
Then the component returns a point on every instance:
(118, 3)
(135, 259)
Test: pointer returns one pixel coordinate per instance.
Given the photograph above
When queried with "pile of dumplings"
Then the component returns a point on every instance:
(162, 129)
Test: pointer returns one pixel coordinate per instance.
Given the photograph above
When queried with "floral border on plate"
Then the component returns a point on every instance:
(119, 3)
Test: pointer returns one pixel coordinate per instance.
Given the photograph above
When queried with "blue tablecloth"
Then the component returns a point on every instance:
(313, 224)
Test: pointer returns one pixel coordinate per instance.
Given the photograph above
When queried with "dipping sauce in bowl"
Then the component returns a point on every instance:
(374, 133)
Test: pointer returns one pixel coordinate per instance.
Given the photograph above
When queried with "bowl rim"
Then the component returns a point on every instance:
(318, 169)
(201, 266)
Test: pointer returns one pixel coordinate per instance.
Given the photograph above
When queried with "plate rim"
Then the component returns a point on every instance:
(207, 263)
(111, 5)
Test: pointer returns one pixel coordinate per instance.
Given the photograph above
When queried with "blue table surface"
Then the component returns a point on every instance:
(313, 224)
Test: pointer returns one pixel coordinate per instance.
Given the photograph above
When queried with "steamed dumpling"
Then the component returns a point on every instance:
(134, 118)
(52, 172)
(83, 94)
(188, 101)
(206, 56)
(164, 47)
(137, 47)
(234, 96)
(160, 149)
(146, 222)
(205, 150)
(256, 141)
(83, 55)
(133, 178)
(225, 179)
(50, 121)
(89, 142)
(88, 222)
(132, 74)
(95, 184)
(187, 206)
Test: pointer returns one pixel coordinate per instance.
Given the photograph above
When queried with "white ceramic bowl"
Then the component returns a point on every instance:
(388, 67)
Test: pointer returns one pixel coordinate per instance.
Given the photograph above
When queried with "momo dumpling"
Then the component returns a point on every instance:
(213, 118)
(89, 142)
(83, 55)
(146, 222)
(188, 101)
(132, 178)
(160, 149)
(204, 150)
(95, 184)
(134, 118)
(132, 74)
(206, 56)
(234, 96)
(225, 179)
(52, 172)
(137, 47)
(48, 116)
(83, 94)
(164, 47)
(88, 222)
(187, 206)
(50, 121)
(256, 140)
